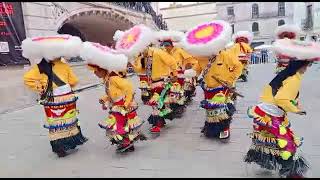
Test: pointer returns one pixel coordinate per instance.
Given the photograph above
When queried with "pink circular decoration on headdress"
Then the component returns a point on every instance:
(207, 39)
(130, 38)
(216, 30)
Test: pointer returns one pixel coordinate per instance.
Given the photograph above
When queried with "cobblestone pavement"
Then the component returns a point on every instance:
(180, 151)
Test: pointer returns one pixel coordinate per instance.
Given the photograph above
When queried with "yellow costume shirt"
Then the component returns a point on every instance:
(119, 88)
(162, 64)
(287, 92)
(226, 67)
(38, 82)
(182, 57)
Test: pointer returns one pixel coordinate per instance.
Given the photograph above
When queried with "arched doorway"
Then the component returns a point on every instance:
(68, 28)
(94, 24)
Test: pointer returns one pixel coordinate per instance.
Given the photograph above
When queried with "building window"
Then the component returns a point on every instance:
(281, 9)
(255, 27)
(281, 22)
(301, 38)
(230, 11)
(255, 11)
(232, 26)
(309, 23)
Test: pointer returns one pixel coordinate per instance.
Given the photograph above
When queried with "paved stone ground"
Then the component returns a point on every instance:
(178, 152)
(15, 95)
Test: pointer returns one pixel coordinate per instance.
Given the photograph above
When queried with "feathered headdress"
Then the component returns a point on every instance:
(135, 40)
(245, 35)
(208, 38)
(117, 35)
(51, 47)
(289, 31)
(298, 50)
(103, 57)
(173, 36)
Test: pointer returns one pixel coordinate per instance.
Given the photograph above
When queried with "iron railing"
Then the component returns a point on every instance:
(145, 7)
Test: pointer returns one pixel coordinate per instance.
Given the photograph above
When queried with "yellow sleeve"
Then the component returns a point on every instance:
(288, 92)
(72, 78)
(169, 60)
(184, 54)
(246, 47)
(34, 80)
(137, 66)
(105, 98)
(126, 87)
(234, 65)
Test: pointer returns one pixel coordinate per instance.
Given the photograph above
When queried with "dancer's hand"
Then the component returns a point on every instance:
(104, 107)
(302, 112)
(101, 101)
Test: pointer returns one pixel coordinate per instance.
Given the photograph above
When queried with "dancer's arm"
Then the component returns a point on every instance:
(287, 94)
(34, 80)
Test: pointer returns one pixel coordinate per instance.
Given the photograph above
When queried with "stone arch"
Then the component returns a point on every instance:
(94, 24)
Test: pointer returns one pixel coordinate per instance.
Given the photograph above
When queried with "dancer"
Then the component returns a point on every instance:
(122, 125)
(242, 40)
(274, 144)
(220, 74)
(54, 80)
(139, 67)
(185, 90)
(289, 31)
(160, 69)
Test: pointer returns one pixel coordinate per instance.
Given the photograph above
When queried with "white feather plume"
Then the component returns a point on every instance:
(245, 34)
(302, 50)
(190, 73)
(51, 49)
(175, 36)
(145, 38)
(117, 35)
(104, 57)
(288, 28)
(210, 48)
(229, 45)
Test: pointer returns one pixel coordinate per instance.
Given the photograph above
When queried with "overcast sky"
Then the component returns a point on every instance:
(166, 4)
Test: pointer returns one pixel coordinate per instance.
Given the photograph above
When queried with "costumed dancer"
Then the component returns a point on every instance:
(139, 67)
(274, 144)
(289, 31)
(222, 71)
(242, 40)
(54, 80)
(122, 125)
(160, 68)
(184, 89)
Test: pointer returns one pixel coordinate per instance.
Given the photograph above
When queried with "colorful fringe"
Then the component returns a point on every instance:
(62, 122)
(122, 123)
(274, 144)
(145, 88)
(217, 105)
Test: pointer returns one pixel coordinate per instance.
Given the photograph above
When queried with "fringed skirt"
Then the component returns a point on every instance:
(62, 122)
(218, 105)
(145, 88)
(274, 145)
(122, 125)
(160, 106)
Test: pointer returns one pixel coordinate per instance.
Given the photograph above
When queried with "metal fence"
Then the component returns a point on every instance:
(262, 57)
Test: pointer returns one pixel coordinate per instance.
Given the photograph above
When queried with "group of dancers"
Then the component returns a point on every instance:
(170, 66)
